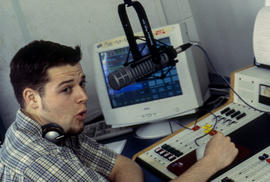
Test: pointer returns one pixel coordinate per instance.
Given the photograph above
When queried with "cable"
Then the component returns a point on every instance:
(216, 103)
(216, 120)
(224, 79)
(183, 125)
(171, 127)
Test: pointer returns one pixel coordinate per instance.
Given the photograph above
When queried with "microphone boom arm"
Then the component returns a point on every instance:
(150, 41)
(142, 66)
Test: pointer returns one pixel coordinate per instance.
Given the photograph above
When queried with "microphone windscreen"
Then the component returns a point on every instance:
(120, 78)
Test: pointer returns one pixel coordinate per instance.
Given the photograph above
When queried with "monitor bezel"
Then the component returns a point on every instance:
(152, 110)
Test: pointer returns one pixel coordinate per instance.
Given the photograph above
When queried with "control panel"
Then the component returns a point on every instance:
(176, 153)
(248, 128)
(254, 169)
(253, 86)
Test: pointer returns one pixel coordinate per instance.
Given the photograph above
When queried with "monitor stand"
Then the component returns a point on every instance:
(162, 128)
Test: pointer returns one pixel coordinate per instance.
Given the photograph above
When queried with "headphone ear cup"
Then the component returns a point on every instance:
(53, 133)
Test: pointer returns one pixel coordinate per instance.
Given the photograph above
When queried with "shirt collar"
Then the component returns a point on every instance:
(25, 122)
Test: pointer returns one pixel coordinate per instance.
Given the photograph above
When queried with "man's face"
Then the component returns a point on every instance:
(64, 99)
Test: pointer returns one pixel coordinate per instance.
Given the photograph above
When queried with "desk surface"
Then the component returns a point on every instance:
(135, 145)
(254, 136)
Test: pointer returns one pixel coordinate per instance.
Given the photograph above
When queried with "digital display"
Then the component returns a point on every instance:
(152, 88)
(264, 94)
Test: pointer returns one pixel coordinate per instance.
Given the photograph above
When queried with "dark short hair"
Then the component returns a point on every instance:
(28, 68)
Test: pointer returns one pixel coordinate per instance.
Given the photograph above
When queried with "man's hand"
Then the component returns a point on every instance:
(221, 150)
(219, 153)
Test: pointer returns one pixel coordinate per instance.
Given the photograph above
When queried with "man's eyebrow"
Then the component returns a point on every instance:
(70, 81)
(65, 82)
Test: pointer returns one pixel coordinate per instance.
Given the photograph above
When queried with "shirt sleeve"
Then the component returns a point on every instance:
(94, 155)
(51, 168)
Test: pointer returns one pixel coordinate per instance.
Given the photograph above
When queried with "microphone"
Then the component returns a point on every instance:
(145, 67)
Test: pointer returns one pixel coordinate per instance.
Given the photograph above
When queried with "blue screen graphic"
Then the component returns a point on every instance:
(149, 89)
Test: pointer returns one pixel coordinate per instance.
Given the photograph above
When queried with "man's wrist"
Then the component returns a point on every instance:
(210, 164)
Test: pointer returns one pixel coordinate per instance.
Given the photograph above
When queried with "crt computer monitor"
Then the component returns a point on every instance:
(151, 100)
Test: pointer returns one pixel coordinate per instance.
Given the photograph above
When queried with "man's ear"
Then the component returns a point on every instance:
(31, 98)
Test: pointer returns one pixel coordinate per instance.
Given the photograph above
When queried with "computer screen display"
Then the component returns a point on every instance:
(152, 99)
(149, 89)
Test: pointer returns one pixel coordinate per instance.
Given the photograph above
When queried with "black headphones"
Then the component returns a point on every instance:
(53, 133)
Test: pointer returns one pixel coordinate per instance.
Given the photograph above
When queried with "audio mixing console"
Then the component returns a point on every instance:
(247, 127)
(176, 154)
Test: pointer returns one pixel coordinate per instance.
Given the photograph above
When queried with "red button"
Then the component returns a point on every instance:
(195, 128)
(268, 160)
(213, 132)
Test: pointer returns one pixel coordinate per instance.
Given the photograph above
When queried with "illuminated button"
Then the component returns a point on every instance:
(208, 125)
(207, 128)
(162, 152)
(206, 131)
(195, 128)
(166, 154)
(213, 132)
(157, 150)
(171, 157)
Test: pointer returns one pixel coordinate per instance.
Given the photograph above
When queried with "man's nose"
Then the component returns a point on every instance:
(82, 96)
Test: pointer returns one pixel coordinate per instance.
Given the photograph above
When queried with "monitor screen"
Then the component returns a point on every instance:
(149, 89)
(152, 99)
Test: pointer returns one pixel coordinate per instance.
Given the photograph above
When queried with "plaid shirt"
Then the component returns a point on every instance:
(26, 156)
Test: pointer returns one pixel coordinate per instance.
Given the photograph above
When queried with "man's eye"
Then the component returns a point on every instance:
(66, 90)
(83, 83)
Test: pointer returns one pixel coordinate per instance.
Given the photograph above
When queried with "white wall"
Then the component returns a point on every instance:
(225, 28)
(179, 11)
(69, 22)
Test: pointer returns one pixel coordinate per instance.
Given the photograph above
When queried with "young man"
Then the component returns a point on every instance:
(45, 143)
